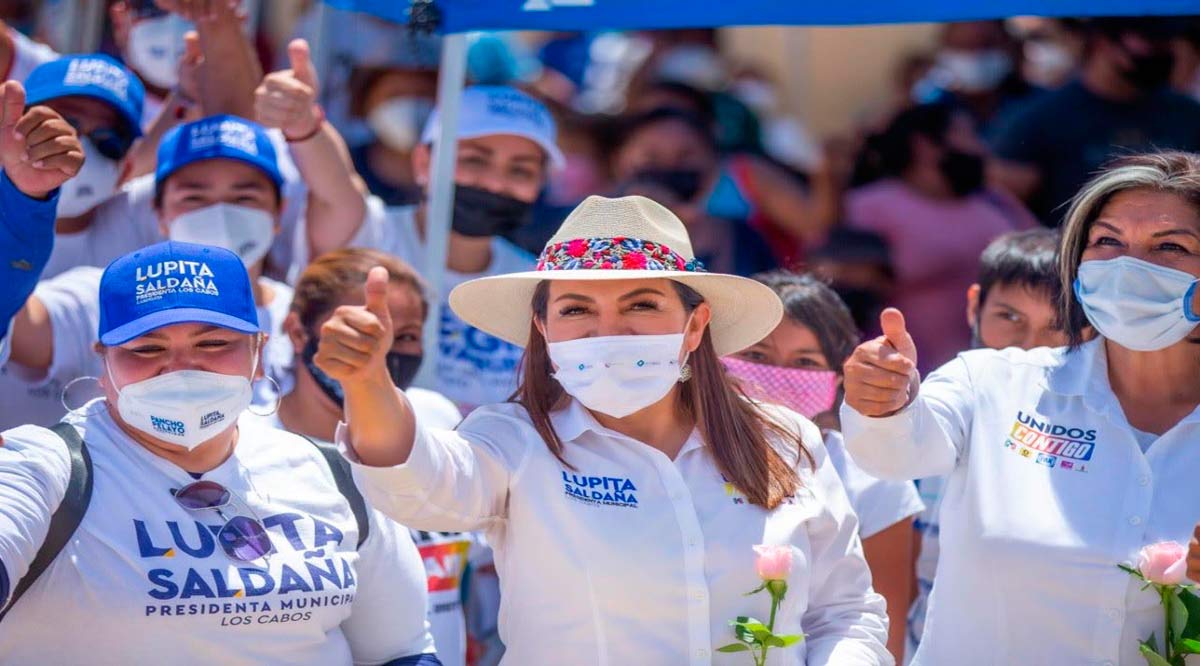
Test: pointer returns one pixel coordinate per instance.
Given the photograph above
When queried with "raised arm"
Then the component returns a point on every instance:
(353, 350)
(433, 480)
(39, 151)
(336, 195)
(895, 426)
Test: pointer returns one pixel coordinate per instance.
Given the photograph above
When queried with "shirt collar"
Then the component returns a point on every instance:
(1080, 369)
(573, 420)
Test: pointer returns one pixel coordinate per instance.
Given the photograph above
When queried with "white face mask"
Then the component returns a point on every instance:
(245, 231)
(95, 182)
(186, 407)
(974, 72)
(1137, 304)
(620, 374)
(398, 121)
(156, 47)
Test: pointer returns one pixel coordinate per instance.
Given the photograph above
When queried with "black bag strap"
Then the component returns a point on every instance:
(67, 516)
(345, 485)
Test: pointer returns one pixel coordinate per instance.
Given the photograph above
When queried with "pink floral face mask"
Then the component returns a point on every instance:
(806, 392)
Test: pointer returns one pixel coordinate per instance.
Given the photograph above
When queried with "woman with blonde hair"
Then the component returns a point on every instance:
(624, 486)
(1062, 462)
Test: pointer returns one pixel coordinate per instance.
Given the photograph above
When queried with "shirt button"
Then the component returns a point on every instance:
(1113, 613)
(702, 653)
(1135, 520)
(698, 595)
(1143, 480)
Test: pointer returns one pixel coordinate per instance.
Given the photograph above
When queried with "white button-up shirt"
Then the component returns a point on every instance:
(631, 557)
(1048, 491)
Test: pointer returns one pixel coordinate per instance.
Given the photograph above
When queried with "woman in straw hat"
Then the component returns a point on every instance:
(625, 484)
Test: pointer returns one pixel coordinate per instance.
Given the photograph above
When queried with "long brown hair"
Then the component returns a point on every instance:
(738, 433)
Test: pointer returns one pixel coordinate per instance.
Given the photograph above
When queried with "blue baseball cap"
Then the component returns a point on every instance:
(217, 137)
(492, 110)
(175, 283)
(92, 75)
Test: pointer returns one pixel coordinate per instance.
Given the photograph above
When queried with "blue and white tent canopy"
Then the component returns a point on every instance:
(467, 15)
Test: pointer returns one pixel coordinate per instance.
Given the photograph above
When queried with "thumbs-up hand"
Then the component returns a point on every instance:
(39, 151)
(287, 99)
(355, 340)
(880, 377)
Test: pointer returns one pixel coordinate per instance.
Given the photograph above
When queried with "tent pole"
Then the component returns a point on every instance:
(451, 78)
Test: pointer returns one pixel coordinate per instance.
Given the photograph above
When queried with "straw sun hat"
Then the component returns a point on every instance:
(621, 239)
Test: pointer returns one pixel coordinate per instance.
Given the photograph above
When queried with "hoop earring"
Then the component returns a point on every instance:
(62, 396)
(277, 392)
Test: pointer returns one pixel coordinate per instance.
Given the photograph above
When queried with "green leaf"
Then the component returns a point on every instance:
(756, 590)
(748, 629)
(1192, 602)
(1151, 642)
(1179, 613)
(1153, 658)
(1131, 571)
(791, 639)
(773, 641)
(1187, 646)
(734, 647)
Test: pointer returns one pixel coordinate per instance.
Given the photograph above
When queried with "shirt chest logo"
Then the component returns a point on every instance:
(600, 490)
(1053, 445)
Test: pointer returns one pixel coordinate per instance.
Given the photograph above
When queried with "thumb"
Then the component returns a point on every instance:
(891, 321)
(13, 105)
(376, 291)
(301, 61)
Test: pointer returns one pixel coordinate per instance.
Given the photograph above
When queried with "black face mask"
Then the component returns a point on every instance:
(402, 368)
(1150, 72)
(963, 171)
(683, 183)
(480, 213)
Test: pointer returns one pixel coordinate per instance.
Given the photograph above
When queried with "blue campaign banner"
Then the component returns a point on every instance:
(466, 15)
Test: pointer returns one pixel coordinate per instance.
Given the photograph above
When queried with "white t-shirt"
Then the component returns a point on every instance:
(474, 368)
(127, 221)
(630, 555)
(1047, 492)
(73, 304)
(878, 503)
(27, 55)
(144, 580)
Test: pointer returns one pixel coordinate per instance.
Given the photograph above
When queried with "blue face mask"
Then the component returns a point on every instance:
(1137, 304)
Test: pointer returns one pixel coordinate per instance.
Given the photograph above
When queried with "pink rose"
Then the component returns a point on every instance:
(773, 562)
(1164, 563)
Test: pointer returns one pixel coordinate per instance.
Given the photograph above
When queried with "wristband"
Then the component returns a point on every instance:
(316, 128)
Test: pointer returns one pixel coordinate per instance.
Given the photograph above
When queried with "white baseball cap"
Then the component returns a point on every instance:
(493, 110)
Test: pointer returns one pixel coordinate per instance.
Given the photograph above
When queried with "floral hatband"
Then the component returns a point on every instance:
(617, 253)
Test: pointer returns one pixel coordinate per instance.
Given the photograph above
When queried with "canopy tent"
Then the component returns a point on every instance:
(455, 17)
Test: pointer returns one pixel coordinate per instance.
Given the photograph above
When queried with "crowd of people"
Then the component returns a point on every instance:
(946, 362)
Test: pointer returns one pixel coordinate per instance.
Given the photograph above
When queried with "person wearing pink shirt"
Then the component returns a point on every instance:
(931, 205)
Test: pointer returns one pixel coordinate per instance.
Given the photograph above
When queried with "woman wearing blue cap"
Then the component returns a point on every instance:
(217, 182)
(201, 537)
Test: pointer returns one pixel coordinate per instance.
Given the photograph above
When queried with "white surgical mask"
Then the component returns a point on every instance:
(156, 47)
(1137, 304)
(185, 407)
(620, 374)
(245, 231)
(398, 121)
(95, 182)
(974, 72)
